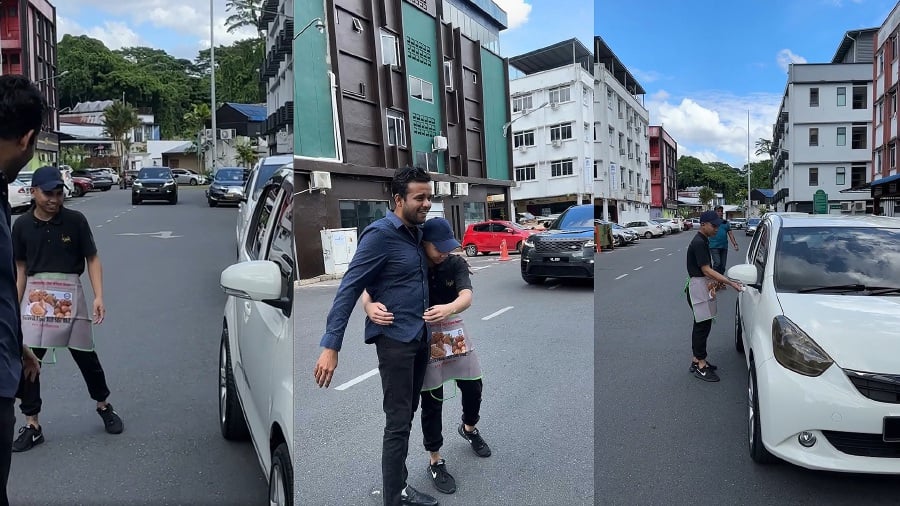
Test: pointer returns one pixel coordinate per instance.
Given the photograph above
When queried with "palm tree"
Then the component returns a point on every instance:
(706, 195)
(763, 147)
(118, 121)
(246, 155)
(243, 13)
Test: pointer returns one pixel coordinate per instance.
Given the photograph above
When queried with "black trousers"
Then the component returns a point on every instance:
(699, 334)
(470, 390)
(7, 431)
(88, 363)
(402, 370)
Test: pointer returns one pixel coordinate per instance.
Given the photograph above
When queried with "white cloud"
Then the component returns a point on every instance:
(517, 12)
(646, 76)
(115, 35)
(713, 126)
(786, 57)
(65, 26)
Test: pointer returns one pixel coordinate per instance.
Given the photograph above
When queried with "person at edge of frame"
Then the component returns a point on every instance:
(718, 244)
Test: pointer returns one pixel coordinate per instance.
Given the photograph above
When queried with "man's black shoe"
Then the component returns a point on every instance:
(474, 438)
(414, 497)
(694, 367)
(111, 420)
(706, 374)
(29, 437)
(443, 480)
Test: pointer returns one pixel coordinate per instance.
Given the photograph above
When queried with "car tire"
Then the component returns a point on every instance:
(738, 331)
(758, 451)
(648, 235)
(212, 203)
(533, 280)
(135, 202)
(231, 419)
(106, 189)
(193, 182)
(281, 477)
(78, 192)
(173, 200)
(518, 248)
(471, 250)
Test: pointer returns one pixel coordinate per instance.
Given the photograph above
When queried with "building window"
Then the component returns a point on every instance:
(612, 133)
(813, 136)
(857, 175)
(859, 138)
(894, 47)
(609, 98)
(878, 162)
(840, 176)
(814, 97)
(473, 212)
(525, 138)
(561, 132)
(561, 168)
(390, 49)
(880, 62)
(893, 105)
(426, 160)
(813, 176)
(396, 126)
(525, 173)
(892, 158)
(879, 110)
(421, 89)
(860, 97)
(842, 136)
(359, 214)
(842, 96)
(560, 95)
(448, 74)
(522, 103)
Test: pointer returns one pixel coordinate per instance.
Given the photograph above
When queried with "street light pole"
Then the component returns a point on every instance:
(212, 85)
(747, 214)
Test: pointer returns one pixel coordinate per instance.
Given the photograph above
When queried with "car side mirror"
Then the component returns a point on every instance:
(285, 304)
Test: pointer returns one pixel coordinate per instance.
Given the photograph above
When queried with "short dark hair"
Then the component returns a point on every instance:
(406, 175)
(719, 207)
(22, 107)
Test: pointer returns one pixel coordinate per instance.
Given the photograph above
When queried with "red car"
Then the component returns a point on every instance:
(486, 237)
(82, 185)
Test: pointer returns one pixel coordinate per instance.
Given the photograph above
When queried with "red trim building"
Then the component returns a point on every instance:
(663, 161)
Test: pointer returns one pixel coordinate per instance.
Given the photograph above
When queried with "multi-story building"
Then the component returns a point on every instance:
(277, 73)
(822, 136)
(28, 47)
(621, 146)
(886, 74)
(663, 185)
(394, 83)
(551, 128)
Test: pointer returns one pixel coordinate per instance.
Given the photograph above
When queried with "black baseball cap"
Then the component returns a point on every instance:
(47, 178)
(710, 217)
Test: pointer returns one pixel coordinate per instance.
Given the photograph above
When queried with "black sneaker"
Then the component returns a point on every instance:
(29, 437)
(111, 420)
(474, 438)
(694, 367)
(414, 497)
(443, 480)
(706, 374)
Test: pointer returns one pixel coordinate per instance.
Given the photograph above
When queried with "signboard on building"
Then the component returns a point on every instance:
(47, 141)
(820, 202)
(588, 175)
(612, 176)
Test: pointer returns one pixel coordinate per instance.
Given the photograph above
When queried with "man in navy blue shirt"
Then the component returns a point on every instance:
(391, 265)
(22, 109)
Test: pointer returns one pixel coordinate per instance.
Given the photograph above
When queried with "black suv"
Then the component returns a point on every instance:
(154, 183)
(565, 250)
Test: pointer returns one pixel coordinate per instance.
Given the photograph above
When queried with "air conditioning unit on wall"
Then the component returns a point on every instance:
(460, 189)
(442, 188)
(320, 180)
(226, 134)
(859, 206)
(846, 206)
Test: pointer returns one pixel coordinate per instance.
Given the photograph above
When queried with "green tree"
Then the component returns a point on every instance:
(243, 13)
(246, 154)
(118, 120)
(689, 171)
(237, 71)
(74, 155)
(706, 195)
(764, 147)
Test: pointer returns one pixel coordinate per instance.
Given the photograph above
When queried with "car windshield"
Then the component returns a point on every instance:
(265, 172)
(230, 176)
(576, 217)
(153, 174)
(814, 258)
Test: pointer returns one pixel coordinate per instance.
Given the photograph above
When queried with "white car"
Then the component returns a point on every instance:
(261, 172)
(818, 324)
(184, 176)
(256, 393)
(19, 195)
(645, 228)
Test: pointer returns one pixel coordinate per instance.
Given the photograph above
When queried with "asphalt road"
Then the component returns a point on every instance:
(665, 437)
(159, 349)
(537, 410)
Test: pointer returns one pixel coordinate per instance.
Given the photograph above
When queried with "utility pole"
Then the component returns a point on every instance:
(212, 86)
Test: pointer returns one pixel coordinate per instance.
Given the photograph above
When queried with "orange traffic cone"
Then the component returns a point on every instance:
(504, 252)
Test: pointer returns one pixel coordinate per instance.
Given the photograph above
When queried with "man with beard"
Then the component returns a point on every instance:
(22, 109)
(391, 266)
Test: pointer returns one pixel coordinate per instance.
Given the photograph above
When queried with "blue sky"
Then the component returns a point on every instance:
(705, 63)
(547, 22)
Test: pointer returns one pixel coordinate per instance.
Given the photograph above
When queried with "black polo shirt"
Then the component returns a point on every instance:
(698, 255)
(59, 245)
(446, 279)
(10, 325)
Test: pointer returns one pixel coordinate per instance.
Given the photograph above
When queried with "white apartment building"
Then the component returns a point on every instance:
(277, 72)
(551, 128)
(822, 138)
(621, 141)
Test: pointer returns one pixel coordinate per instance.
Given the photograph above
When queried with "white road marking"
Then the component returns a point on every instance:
(622, 276)
(554, 287)
(99, 226)
(670, 254)
(656, 249)
(108, 221)
(657, 260)
(639, 268)
(497, 313)
(358, 379)
(479, 268)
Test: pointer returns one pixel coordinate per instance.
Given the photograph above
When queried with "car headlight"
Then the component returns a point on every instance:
(169, 183)
(529, 243)
(796, 351)
(136, 184)
(590, 244)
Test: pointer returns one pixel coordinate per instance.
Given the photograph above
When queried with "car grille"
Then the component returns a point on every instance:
(878, 387)
(862, 444)
(152, 185)
(558, 245)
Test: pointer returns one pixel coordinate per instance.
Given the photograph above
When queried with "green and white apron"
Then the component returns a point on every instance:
(451, 355)
(55, 314)
(703, 300)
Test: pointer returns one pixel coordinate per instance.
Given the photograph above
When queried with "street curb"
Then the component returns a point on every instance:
(318, 279)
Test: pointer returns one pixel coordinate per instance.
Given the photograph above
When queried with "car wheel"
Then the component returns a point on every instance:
(738, 332)
(648, 235)
(193, 182)
(231, 420)
(758, 451)
(78, 191)
(107, 188)
(174, 200)
(471, 250)
(518, 247)
(212, 203)
(135, 201)
(281, 478)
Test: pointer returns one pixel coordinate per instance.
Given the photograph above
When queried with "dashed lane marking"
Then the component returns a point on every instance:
(358, 379)
(497, 313)
(622, 276)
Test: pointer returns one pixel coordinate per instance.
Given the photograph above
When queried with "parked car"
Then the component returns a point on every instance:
(101, 180)
(259, 175)
(628, 232)
(227, 186)
(486, 237)
(112, 173)
(154, 183)
(566, 250)
(645, 228)
(752, 223)
(81, 185)
(667, 228)
(19, 195)
(127, 179)
(816, 323)
(621, 235)
(737, 223)
(256, 398)
(184, 176)
(693, 222)
(676, 224)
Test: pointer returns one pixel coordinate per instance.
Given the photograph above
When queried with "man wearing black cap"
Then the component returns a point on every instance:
(22, 110)
(52, 244)
(702, 283)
